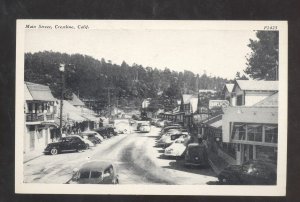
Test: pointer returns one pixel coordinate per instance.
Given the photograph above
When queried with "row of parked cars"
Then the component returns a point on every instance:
(81, 141)
(177, 142)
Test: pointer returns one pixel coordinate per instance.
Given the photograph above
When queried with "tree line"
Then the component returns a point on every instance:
(102, 80)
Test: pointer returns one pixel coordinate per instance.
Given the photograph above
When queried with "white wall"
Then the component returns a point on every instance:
(252, 98)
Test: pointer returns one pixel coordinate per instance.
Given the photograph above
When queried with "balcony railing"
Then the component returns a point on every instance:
(31, 117)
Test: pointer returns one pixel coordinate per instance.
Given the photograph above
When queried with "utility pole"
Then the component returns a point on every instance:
(108, 95)
(62, 70)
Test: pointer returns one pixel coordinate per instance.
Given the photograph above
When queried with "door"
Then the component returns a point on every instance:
(65, 144)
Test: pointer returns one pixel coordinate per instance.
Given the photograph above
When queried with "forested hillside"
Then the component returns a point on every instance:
(90, 78)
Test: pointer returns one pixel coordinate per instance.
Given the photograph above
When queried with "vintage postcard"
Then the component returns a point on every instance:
(151, 107)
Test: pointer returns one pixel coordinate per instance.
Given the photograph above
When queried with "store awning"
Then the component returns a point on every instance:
(217, 124)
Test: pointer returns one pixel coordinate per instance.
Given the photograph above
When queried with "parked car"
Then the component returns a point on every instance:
(94, 133)
(87, 142)
(176, 149)
(167, 139)
(145, 128)
(91, 137)
(253, 172)
(106, 131)
(196, 155)
(65, 144)
(95, 172)
(166, 129)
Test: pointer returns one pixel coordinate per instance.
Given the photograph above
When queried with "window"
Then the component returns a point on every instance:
(271, 133)
(254, 132)
(96, 174)
(239, 131)
(85, 174)
(239, 100)
(29, 107)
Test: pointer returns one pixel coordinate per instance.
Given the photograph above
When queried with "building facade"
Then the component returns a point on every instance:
(252, 131)
(39, 110)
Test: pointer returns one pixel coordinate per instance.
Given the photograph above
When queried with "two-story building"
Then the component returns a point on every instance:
(249, 92)
(39, 110)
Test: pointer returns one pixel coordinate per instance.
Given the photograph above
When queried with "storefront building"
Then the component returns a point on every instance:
(252, 132)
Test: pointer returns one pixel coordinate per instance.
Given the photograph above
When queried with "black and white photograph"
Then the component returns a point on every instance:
(151, 107)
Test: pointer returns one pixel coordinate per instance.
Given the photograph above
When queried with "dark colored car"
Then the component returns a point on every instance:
(95, 172)
(196, 155)
(65, 144)
(106, 131)
(252, 172)
(93, 139)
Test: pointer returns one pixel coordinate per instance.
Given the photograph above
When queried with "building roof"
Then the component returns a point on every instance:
(71, 112)
(27, 94)
(269, 101)
(257, 85)
(76, 101)
(229, 87)
(187, 98)
(39, 92)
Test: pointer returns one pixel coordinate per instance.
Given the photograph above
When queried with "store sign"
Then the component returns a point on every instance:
(218, 104)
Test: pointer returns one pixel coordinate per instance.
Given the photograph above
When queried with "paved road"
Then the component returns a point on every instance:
(135, 156)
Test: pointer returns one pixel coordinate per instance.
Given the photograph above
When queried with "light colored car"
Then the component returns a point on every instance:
(167, 139)
(95, 172)
(145, 128)
(90, 132)
(176, 149)
(86, 141)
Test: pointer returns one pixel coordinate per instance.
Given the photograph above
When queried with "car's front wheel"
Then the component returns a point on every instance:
(53, 151)
(87, 146)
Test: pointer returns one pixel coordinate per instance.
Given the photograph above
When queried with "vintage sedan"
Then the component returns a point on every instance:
(196, 155)
(145, 128)
(176, 149)
(95, 172)
(87, 142)
(253, 172)
(168, 139)
(65, 144)
(93, 136)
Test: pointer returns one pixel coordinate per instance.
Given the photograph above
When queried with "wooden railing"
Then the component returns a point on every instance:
(32, 117)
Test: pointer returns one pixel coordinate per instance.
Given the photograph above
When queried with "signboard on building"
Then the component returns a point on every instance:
(218, 104)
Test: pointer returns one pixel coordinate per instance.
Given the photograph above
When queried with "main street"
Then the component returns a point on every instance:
(137, 159)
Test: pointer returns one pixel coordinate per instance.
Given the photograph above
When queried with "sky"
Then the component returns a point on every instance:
(219, 53)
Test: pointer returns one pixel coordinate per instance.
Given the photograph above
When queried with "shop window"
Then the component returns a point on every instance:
(271, 133)
(239, 131)
(254, 132)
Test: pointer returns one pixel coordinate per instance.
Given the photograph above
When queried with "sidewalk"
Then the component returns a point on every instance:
(32, 155)
(216, 162)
